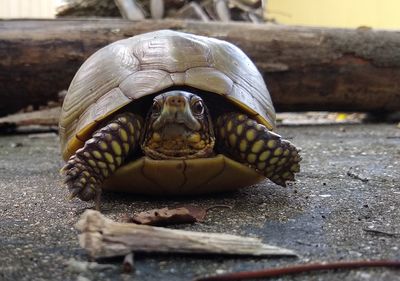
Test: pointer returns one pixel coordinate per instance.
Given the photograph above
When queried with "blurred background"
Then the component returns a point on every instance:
(327, 13)
(336, 13)
(327, 75)
(29, 8)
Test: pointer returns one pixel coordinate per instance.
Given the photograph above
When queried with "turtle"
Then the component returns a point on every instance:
(170, 113)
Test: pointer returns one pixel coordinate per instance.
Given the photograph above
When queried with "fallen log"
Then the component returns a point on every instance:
(101, 238)
(305, 68)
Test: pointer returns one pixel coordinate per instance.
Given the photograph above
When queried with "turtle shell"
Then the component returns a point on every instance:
(143, 65)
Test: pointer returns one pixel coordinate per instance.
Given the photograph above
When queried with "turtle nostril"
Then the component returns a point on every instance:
(176, 101)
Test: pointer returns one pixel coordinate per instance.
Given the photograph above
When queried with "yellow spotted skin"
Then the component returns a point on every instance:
(254, 145)
(102, 155)
(238, 136)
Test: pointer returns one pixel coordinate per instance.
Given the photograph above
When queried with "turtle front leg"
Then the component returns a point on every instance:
(101, 155)
(253, 144)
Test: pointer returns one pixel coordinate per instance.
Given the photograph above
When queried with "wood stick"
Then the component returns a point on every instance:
(305, 68)
(102, 237)
(157, 9)
(128, 263)
(130, 9)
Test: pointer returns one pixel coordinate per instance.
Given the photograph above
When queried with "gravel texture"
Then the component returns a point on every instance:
(349, 187)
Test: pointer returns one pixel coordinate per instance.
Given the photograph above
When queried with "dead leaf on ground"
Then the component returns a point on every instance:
(166, 216)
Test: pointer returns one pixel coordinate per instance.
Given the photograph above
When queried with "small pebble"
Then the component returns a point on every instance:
(16, 144)
(82, 278)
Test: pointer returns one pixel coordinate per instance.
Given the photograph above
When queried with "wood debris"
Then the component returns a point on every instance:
(320, 118)
(128, 263)
(45, 117)
(101, 237)
(355, 174)
(130, 9)
(44, 120)
(204, 10)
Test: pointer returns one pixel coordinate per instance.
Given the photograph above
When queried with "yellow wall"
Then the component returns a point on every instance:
(27, 8)
(383, 14)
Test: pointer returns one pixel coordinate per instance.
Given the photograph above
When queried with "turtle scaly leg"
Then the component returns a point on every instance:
(101, 155)
(253, 144)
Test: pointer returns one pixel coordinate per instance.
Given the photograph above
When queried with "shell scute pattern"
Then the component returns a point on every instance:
(148, 63)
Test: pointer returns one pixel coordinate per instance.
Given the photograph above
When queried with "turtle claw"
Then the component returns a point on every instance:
(80, 184)
(85, 193)
(73, 193)
(280, 182)
(80, 180)
(70, 175)
(66, 168)
(282, 178)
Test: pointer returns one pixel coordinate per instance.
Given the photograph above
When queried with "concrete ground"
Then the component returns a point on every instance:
(349, 186)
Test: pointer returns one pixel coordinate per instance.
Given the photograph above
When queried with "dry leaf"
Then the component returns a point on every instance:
(165, 216)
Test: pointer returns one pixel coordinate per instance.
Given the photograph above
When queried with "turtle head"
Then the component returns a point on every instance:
(178, 126)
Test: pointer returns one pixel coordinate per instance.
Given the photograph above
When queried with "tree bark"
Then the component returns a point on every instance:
(304, 68)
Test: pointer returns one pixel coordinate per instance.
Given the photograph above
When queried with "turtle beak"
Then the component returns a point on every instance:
(176, 109)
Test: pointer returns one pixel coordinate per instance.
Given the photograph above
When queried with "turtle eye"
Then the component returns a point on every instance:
(198, 107)
(156, 108)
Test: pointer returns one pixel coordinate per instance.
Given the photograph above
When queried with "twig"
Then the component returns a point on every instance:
(380, 232)
(128, 264)
(219, 206)
(192, 10)
(278, 272)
